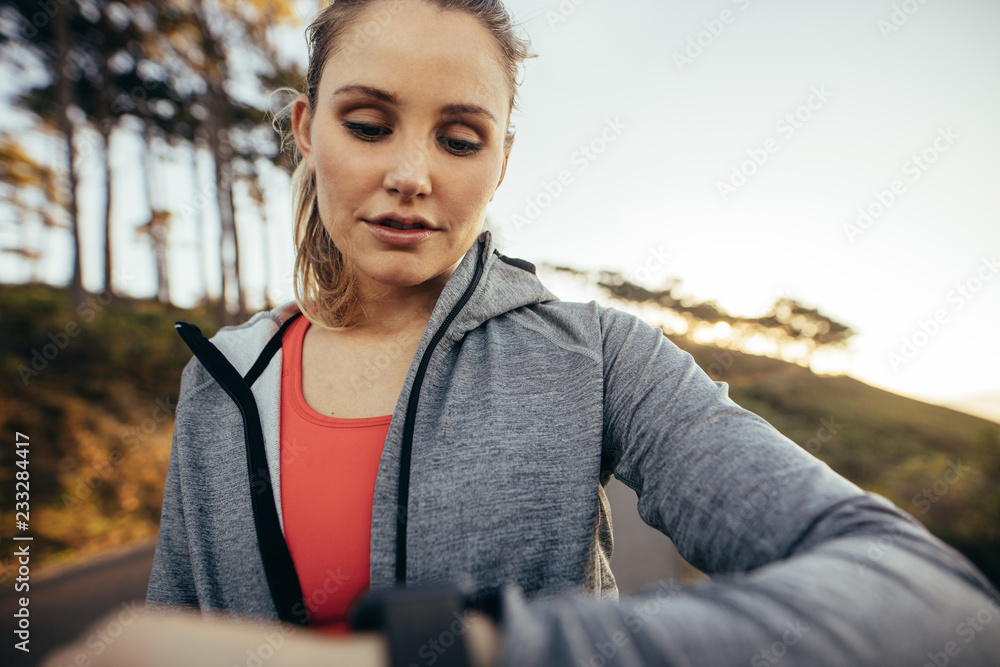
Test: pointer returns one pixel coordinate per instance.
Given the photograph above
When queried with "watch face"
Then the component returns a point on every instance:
(408, 615)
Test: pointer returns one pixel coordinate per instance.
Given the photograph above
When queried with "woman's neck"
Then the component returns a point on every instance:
(391, 309)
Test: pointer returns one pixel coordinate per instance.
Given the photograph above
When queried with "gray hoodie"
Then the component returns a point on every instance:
(516, 409)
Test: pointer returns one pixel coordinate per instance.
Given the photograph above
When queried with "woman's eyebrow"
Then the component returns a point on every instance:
(386, 96)
(370, 91)
(456, 109)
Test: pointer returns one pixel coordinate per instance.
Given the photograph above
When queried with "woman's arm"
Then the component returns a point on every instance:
(170, 640)
(809, 569)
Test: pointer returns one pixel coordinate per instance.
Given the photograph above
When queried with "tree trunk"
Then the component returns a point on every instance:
(198, 219)
(108, 189)
(158, 223)
(265, 246)
(105, 125)
(147, 181)
(217, 77)
(64, 100)
(221, 155)
(241, 300)
(161, 232)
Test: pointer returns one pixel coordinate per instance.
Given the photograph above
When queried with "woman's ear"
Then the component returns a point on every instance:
(301, 124)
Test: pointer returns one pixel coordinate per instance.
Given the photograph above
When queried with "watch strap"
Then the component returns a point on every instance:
(425, 623)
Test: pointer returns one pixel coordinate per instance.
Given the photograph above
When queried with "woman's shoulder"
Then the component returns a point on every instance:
(586, 315)
(588, 326)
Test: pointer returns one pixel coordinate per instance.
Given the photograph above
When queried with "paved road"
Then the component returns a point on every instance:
(65, 604)
(643, 555)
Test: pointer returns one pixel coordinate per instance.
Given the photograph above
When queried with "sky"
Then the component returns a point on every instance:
(843, 154)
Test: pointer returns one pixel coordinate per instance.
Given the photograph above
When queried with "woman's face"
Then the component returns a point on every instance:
(410, 118)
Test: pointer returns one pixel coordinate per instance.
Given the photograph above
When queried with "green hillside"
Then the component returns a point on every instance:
(94, 390)
(97, 406)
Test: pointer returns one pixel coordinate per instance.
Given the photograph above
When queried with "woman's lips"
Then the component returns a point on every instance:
(399, 237)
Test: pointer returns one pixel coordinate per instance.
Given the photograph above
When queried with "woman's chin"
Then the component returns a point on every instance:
(403, 276)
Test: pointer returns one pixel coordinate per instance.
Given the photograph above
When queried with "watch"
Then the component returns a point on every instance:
(425, 623)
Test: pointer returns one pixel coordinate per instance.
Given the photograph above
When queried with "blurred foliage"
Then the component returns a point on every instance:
(94, 389)
(786, 317)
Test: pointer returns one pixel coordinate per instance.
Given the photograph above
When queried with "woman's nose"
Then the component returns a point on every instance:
(410, 173)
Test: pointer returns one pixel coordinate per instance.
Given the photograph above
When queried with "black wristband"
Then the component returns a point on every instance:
(424, 623)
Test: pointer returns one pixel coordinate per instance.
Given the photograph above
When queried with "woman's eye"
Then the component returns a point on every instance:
(364, 131)
(460, 146)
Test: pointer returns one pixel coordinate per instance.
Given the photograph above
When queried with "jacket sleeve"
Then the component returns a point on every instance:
(171, 582)
(807, 569)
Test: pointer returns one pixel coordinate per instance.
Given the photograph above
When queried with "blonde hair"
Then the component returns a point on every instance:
(324, 280)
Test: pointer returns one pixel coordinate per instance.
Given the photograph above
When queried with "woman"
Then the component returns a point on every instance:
(427, 412)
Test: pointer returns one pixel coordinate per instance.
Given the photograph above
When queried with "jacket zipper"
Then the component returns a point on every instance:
(403, 495)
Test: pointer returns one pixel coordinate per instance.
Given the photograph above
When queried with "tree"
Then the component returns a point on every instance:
(166, 63)
(157, 228)
(202, 34)
(47, 36)
(87, 47)
(787, 322)
(22, 178)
